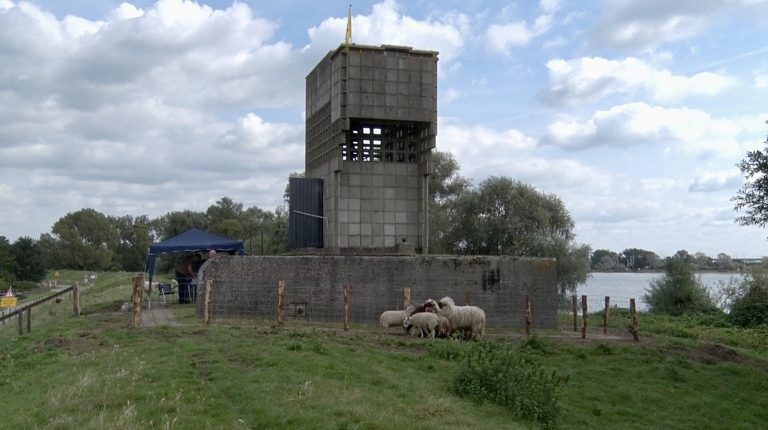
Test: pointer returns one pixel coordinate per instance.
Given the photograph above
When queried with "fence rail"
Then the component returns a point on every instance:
(19, 310)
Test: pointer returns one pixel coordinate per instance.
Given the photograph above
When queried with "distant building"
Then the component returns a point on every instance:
(371, 123)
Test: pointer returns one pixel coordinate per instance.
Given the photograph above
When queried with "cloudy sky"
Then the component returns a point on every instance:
(633, 113)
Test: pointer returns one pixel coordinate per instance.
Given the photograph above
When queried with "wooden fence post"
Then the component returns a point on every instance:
(605, 315)
(280, 302)
(136, 298)
(21, 323)
(575, 313)
(584, 316)
(346, 307)
(208, 301)
(527, 315)
(406, 297)
(633, 319)
(467, 299)
(76, 299)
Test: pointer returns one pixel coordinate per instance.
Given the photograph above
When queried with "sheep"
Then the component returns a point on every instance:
(425, 322)
(394, 318)
(428, 306)
(470, 320)
(443, 327)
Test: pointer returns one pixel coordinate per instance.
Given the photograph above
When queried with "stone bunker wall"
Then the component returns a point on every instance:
(246, 286)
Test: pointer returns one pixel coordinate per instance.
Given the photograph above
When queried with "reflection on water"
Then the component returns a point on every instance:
(623, 286)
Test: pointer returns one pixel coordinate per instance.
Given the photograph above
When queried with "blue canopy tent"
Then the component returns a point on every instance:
(192, 240)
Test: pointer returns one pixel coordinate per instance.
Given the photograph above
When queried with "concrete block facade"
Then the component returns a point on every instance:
(371, 125)
(246, 286)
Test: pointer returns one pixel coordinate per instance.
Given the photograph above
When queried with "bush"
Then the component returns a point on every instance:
(678, 292)
(510, 377)
(750, 306)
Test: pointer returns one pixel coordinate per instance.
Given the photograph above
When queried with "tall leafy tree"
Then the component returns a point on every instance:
(507, 217)
(445, 187)
(86, 240)
(752, 197)
(133, 240)
(226, 218)
(28, 263)
(178, 222)
(6, 261)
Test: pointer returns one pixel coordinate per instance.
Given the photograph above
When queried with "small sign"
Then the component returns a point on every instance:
(8, 300)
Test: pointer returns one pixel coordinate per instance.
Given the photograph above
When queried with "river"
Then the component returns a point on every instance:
(621, 286)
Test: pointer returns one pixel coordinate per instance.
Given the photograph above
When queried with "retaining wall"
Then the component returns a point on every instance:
(246, 286)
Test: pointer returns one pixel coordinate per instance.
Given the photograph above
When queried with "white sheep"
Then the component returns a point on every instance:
(443, 327)
(425, 322)
(394, 318)
(470, 320)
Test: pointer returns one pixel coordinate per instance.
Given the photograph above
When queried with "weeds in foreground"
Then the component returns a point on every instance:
(512, 377)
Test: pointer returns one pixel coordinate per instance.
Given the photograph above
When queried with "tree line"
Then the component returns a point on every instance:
(499, 216)
(635, 259)
(89, 240)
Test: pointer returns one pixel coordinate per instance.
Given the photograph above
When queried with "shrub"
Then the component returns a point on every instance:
(678, 292)
(512, 378)
(750, 306)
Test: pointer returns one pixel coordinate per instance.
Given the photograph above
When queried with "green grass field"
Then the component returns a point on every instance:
(95, 372)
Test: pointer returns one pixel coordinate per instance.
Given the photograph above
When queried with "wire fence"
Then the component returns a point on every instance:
(342, 305)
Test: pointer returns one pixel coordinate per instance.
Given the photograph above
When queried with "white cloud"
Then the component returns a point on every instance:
(387, 25)
(709, 181)
(633, 25)
(483, 151)
(657, 184)
(690, 130)
(761, 80)
(575, 81)
(503, 37)
(125, 11)
(268, 143)
(549, 6)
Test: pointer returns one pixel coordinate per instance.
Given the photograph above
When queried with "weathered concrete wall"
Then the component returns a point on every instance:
(246, 286)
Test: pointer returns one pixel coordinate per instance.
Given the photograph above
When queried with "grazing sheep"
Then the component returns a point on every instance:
(394, 318)
(425, 322)
(443, 327)
(428, 306)
(470, 320)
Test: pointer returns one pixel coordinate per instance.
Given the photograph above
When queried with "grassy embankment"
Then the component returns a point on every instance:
(94, 372)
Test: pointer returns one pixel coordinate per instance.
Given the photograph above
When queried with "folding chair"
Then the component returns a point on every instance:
(164, 290)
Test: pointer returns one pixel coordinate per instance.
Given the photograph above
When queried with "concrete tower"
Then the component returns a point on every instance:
(371, 121)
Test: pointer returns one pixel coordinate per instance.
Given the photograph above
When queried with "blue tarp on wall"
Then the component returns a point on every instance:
(192, 240)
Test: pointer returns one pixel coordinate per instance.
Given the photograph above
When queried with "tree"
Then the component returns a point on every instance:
(702, 260)
(27, 260)
(684, 256)
(178, 222)
(639, 259)
(724, 261)
(603, 259)
(678, 292)
(749, 304)
(752, 197)
(445, 187)
(224, 218)
(506, 217)
(86, 240)
(133, 240)
(6, 261)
